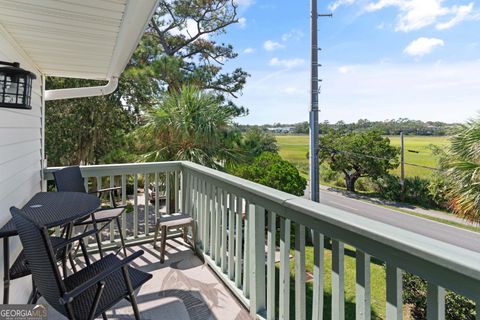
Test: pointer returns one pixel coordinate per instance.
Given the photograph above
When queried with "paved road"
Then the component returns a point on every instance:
(443, 232)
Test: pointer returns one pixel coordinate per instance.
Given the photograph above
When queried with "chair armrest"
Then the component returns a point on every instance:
(106, 190)
(70, 295)
(73, 239)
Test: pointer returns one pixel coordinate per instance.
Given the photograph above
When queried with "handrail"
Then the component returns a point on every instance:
(233, 215)
(381, 240)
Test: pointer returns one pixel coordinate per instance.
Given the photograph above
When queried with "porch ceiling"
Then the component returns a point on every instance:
(91, 39)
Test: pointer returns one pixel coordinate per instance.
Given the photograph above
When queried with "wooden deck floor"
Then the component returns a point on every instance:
(181, 288)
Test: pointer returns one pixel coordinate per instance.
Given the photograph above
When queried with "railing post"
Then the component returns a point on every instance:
(435, 302)
(257, 260)
(394, 292)
(362, 287)
(338, 281)
(300, 295)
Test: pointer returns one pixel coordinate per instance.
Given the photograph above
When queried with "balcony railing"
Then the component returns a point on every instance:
(240, 225)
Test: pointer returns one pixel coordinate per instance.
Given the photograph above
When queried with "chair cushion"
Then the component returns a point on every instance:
(176, 219)
(115, 287)
(20, 267)
(103, 215)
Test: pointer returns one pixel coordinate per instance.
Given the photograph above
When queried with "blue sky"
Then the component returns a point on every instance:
(382, 59)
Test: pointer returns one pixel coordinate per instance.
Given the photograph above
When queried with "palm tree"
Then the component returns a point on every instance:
(462, 164)
(190, 125)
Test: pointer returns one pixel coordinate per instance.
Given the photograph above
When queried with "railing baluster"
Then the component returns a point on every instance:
(135, 205)
(362, 286)
(57, 229)
(206, 217)
(435, 302)
(231, 236)
(338, 281)
(209, 222)
(146, 211)
(184, 191)
(218, 226)
(271, 245)
(124, 203)
(167, 192)
(196, 214)
(284, 300)
(318, 275)
(157, 201)
(201, 213)
(257, 266)
(99, 183)
(177, 192)
(238, 244)
(394, 293)
(246, 253)
(300, 271)
(224, 232)
(112, 224)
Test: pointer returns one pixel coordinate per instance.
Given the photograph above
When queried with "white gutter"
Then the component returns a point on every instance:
(60, 94)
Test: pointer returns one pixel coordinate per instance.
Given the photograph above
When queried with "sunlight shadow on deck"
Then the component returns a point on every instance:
(181, 288)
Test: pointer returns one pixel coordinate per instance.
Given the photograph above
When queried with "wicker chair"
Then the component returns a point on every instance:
(88, 293)
(70, 179)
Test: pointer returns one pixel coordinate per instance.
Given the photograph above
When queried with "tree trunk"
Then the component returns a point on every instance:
(350, 182)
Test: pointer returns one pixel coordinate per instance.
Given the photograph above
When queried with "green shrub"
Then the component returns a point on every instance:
(271, 170)
(327, 174)
(457, 307)
(417, 191)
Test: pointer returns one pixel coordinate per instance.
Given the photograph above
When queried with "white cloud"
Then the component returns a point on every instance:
(249, 50)
(242, 22)
(244, 3)
(344, 69)
(462, 13)
(294, 34)
(271, 45)
(422, 46)
(338, 3)
(287, 63)
(376, 91)
(417, 14)
(189, 30)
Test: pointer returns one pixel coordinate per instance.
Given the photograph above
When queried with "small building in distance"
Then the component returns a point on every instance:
(281, 129)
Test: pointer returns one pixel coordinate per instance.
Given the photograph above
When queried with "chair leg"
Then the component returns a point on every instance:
(194, 246)
(33, 295)
(6, 270)
(104, 316)
(97, 235)
(164, 240)
(119, 225)
(155, 237)
(133, 300)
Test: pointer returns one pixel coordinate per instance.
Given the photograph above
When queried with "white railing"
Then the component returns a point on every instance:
(240, 225)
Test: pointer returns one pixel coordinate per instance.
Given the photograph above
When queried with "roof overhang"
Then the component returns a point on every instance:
(89, 39)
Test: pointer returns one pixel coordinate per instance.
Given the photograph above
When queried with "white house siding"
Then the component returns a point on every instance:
(20, 157)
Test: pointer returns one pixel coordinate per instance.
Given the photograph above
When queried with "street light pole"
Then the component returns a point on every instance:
(314, 126)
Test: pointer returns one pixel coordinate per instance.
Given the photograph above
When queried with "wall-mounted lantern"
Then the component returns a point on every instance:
(15, 86)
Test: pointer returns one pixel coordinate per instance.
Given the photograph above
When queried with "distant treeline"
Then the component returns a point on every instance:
(388, 127)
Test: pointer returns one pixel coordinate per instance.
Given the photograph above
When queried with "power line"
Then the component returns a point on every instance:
(375, 157)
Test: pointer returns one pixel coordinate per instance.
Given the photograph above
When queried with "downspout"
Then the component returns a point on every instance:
(71, 93)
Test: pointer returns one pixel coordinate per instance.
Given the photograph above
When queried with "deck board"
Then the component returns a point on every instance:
(181, 288)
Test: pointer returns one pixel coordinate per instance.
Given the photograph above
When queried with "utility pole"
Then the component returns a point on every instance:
(402, 164)
(314, 127)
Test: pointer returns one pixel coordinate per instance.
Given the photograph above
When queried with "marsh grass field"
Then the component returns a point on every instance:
(294, 148)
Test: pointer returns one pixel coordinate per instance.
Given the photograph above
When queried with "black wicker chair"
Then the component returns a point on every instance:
(88, 293)
(70, 179)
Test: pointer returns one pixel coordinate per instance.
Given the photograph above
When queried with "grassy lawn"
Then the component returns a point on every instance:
(378, 285)
(295, 148)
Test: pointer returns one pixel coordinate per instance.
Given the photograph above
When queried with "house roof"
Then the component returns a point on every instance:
(91, 39)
